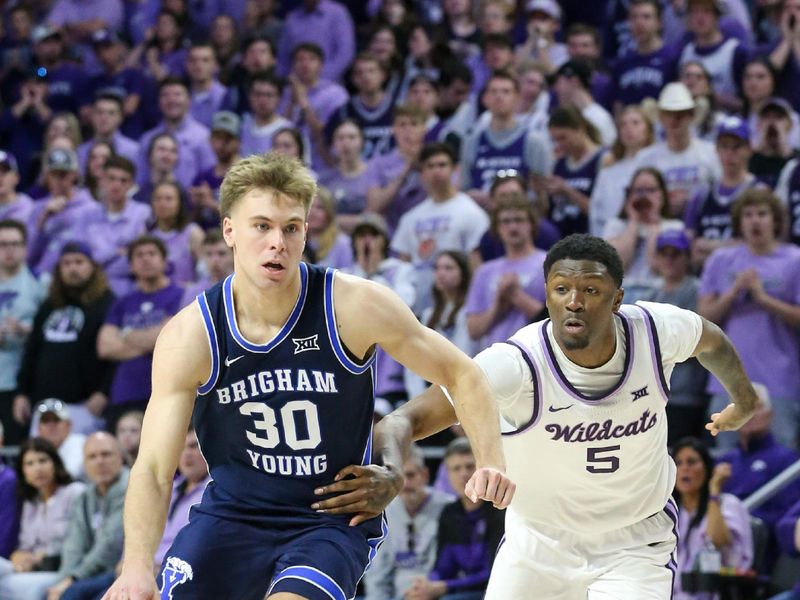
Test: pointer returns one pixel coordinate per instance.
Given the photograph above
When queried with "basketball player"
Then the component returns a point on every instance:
(276, 362)
(583, 396)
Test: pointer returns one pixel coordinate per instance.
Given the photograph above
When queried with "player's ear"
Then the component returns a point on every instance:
(227, 231)
(618, 295)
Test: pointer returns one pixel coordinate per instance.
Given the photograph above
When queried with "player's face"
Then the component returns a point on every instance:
(267, 233)
(460, 468)
(581, 298)
(691, 471)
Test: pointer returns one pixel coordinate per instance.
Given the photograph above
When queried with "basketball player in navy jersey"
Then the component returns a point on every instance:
(582, 396)
(275, 367)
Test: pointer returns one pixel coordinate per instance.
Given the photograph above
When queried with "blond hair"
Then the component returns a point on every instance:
(281, 174)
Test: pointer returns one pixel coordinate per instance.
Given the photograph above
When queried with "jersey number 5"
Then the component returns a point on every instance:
(610, 463)
(265, 420)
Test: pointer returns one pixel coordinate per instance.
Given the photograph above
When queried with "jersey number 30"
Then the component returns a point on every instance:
(265, 421)
(600, 461)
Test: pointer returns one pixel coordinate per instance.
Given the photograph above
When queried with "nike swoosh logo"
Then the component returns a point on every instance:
(229, 361)
(554, 409)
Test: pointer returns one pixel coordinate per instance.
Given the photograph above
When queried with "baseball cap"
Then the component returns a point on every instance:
(673, 238)
(227, 121)
(371, 221)
(548, 7)
(776, 103)
(60, 159)
(735, 126)
(54, 406)
(76, 247)
(42, 32)
(8, 161)
(575, 68)
(104, 37)
(675, 97)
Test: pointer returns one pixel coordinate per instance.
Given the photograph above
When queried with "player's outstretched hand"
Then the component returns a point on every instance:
(491, 485)
(365, 491)
(730, 418)
(133, 584)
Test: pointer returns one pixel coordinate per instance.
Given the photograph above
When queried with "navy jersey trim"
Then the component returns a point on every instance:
(211, 334)
(333, 331)
(562, 379)
(537, 392)
(294, 316)
(655, 351)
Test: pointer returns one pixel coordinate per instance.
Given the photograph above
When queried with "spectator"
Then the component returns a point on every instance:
(331, 247)
(170, 223)
(61, 215)
(575, 143)
(257, 56)
(446, 220)
(469, 533)
(314, 22)
(60, 359)
(706, 114)
(460, 28)
(13, 205)
(259, 19)
(608, 196)
(723, 58)
(106, 117)
(99, 153)
(788, 191)
(350, 180)
(708, 520)
(543, 20)
(20, 296)
(80, 19)
(67, 82)
(756, 460)
(507, 293)
(224, 39)
(788, 533)
(689, 165)
(133, 324)
(48, 496)
(129, 434)
(52, 422)
(753, 286)
(259, 125)
(120, 221)
(217, 264)
(688, 400)
(396, 185)
(502, 143)
(457, 110)
(382, 44)
(410, 549)
(163, 52)
(583, 44)
(289, 142)
(497, 55)
(309, 101)
(534, 96)
(634, 232)
(572, 86)
(785, 53)
(226, 133)
(9, 509)
(650, 64)
(94, 541)
(773, 150)
(206, 91)
(758, 87)
(162, 156)
(195, 153)
(424, 95)
(427, 55)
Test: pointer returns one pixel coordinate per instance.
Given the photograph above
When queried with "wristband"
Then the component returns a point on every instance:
(714, 498)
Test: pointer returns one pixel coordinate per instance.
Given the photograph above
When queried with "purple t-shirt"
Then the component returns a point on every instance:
(386, 167)
(19, 209)
(178, 514)
(194, 151)
(180, 260)
(339, 256)
(350, 193)
(205, 104)
(122, 145)
(639, 76)
(483, 289)
(767, 345)
(140, 310)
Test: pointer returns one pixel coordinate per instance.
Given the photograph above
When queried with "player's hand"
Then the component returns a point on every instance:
(730, 419)
(134, 583)
(492, 485)
(365, 491)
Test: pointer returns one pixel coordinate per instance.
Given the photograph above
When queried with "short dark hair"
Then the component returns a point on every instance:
(115, 161)
(62, 477)
(582, 246)
(460, 445)
(497, 39)
(309, 47)
(173, 80)
(254, 39)
(455, 70)
(434, 148)
(512, 201)
(583, 29)
(146, 240)
(265, 77)
(12, 224)
(109, 96)
(654, 3)
(502, 74)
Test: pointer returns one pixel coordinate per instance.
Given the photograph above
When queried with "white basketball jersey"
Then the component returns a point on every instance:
(592, 465)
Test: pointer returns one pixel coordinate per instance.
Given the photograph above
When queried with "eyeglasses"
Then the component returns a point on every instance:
(506, 174)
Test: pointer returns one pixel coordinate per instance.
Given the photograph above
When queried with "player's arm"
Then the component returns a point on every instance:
(717, 354)
(181, 362)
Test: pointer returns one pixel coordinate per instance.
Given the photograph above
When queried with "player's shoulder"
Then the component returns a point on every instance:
(184, 329)
(662, 314)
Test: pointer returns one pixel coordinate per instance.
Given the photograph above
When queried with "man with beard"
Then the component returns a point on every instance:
(60, 358)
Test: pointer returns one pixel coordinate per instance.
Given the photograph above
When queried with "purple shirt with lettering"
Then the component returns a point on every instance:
(350, 193)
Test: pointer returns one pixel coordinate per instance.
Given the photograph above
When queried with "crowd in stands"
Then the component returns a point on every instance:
(454, 142)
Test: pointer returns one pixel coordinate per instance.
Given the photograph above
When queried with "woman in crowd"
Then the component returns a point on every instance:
(224, 40)
(129, 433)
(695, 77)
(709, 521)
(171, 224)
(635, 230)
(636, 131)
(163, 53)
(48, 493)
(95, 161)
(428, 53)
(289, 141)
(162, 158)
(331, 247)
(759, 82)
(451, 279)
(383, 44)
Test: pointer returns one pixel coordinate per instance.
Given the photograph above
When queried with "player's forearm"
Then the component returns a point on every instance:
(392, 441)
(720, 358)
(146, 506)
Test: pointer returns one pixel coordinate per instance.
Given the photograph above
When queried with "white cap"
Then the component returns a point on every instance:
(548, 7)
(675, 97)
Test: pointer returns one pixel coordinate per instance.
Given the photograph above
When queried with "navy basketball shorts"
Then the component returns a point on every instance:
(214, 558)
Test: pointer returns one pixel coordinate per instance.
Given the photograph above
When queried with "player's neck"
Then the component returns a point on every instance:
(264, 308)
(597, 353)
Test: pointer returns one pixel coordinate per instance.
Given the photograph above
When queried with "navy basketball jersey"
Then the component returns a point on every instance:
(375, 124)
(277, 420)
(565, 214)
(713, 219)
(489, 159)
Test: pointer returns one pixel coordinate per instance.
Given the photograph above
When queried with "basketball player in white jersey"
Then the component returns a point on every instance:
(582, 396)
